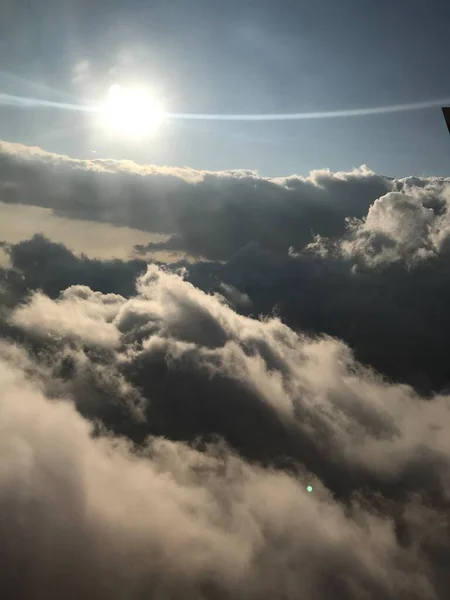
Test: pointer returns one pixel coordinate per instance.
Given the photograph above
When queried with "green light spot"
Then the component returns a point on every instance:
(309, 488)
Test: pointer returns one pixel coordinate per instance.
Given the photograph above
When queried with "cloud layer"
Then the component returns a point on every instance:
(160, 424)
(211, 214)
(85, 514)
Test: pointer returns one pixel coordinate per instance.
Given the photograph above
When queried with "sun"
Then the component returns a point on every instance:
(131, 112)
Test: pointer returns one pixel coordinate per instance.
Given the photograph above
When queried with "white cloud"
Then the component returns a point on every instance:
(313, 385)
(106, 490)
(79, 313)
(88, 518)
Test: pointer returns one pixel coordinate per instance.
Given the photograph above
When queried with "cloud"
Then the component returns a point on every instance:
(210, 214)
(174, 335)
(409, 225)
(160, 423)
(69, 316)
(86, 513)
(52, 268)
(392, 315)
(362, 279)
(234, 296)
(81, 72)
(215, 214)
(83, 516)
(382, 286)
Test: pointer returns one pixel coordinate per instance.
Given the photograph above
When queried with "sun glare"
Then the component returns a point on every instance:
(131, 112)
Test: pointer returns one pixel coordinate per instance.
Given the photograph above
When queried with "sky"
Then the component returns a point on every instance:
(236, 57)
(224, 344)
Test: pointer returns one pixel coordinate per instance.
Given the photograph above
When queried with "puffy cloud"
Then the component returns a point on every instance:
(172, 333)
(410, 226)
(234, 296)
(365, 287)
(88, 514)
(393, 316)
(157, 434)
(382, 286)
(52, 268)
(79, 313)
(83, 516)
(210, 214)
(215, 214)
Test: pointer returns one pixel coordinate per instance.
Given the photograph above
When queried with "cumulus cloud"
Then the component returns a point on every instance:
(70, 316)
(160, 424)
(347, 254)
(411, 225)
(88, 514)
(84, 517)
(382, 286)
(215, 214)
(210, 214)
(52, 267)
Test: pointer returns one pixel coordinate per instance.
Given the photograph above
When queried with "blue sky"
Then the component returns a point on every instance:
(237, 57)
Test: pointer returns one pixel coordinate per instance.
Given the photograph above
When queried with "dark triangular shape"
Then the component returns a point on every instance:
(446, 112)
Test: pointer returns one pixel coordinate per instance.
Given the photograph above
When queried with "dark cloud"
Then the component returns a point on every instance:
(383, 286)
(52, 267)
(395, 319)
(210, 214)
